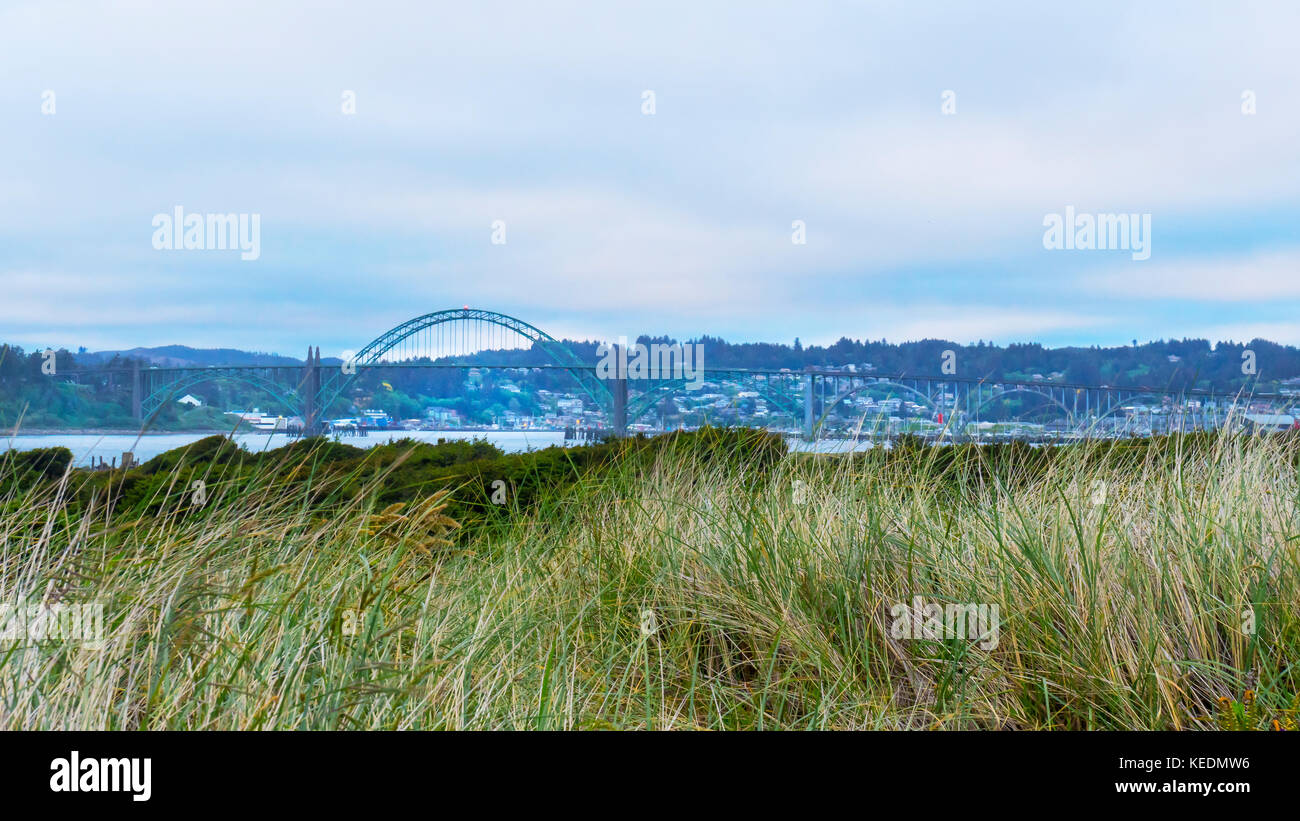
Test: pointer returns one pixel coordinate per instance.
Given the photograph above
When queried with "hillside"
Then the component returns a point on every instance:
(175, 356)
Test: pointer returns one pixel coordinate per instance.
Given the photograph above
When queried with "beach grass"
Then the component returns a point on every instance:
(1153, 588)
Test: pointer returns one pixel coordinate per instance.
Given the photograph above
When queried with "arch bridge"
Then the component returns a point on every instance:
(432, 340)
(467, 338)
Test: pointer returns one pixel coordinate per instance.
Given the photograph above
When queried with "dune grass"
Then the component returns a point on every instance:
(680, 592)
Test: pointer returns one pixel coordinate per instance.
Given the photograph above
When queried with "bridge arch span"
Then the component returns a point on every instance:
(876, 384)
(643, 402)
(392, 338)
(154, 400)
(1128, 400)
(879, 383)
(337, 382)
(1047, 397)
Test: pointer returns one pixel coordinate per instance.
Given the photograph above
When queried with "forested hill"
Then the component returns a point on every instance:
(175, 356)
(1171, 363)
(1165, 363)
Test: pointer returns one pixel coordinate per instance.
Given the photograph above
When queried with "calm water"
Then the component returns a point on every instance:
(111, 446)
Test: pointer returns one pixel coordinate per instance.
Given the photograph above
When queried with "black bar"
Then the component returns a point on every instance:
(971, 771)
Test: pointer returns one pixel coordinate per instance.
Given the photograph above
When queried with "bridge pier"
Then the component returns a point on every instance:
(310, 387)
(137, 410)
(808, 404)
(618, 387)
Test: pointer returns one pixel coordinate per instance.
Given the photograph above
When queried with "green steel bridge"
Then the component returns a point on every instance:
(811, 396)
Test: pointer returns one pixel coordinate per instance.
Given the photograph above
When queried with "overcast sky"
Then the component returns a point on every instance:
(919, 223)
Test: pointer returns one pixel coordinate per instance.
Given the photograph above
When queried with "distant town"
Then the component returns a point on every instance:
(726, 404)
(1025, 391)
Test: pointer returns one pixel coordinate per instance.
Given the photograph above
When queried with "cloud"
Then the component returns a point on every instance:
(623, 223)
(966, 323)
(1251, 277)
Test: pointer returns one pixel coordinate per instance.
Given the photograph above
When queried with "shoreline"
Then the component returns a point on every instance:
(108, 432)
(227, 432)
